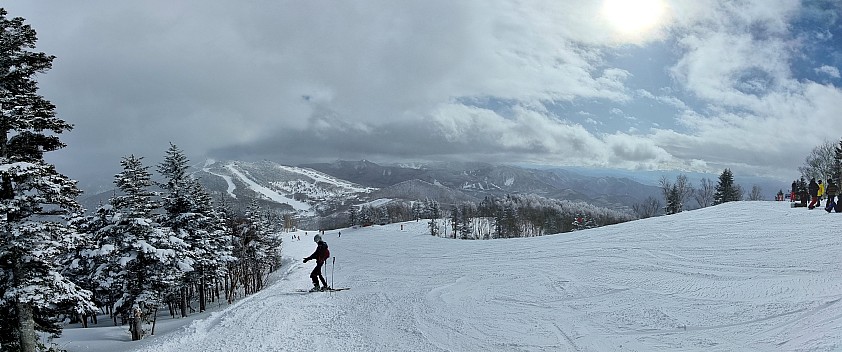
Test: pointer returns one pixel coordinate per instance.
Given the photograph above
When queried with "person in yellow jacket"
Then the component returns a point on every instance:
(821, 193)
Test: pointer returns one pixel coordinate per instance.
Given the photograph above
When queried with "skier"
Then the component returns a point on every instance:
(320, 255)
(814, 193)
(831, 191)
(820, 194)
(793, 191)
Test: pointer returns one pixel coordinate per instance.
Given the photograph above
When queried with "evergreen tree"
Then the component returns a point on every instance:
(466, 228)
(353, 216)
(179, 217)
(35, 200)
(145, 260)
(212, 250)
(726, 190)
(673, 201)
(433, 226)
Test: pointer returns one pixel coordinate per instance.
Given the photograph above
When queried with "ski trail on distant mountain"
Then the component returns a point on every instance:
(325, 178)
(274, 196)
(228, 179)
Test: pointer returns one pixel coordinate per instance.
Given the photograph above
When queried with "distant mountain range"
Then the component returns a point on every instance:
(326, 188)
(322, 189)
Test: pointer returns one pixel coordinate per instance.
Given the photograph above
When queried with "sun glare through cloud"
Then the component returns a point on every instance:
(634, 20)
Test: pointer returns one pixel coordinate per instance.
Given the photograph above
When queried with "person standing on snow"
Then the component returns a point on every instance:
(793, 191)
(831, 191)
(813, 188)
(820, 194)
(320, 255)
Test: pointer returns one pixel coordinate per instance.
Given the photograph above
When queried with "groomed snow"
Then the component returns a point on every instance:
(743, 276)
(228, 180)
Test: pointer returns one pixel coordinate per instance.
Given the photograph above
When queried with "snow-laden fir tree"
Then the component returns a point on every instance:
(189, 214)
(92, 257)
(147, 260)
(35, 199)
(258, 249)
(212, 250)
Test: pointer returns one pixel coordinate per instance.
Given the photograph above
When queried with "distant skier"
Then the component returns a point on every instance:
(820, 194)
(320, 255)
(813, 188)
(831, 191)
(793, 191)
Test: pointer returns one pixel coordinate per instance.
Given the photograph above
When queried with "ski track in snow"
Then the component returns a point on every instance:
(743, 276)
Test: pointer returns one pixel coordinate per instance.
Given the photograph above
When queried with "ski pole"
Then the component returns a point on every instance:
(332, 271)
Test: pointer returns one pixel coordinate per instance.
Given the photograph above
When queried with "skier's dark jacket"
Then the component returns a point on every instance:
(814, 189)
(831, 189)
(321, 254)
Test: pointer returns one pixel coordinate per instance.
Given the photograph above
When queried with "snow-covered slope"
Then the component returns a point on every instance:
(300, 189)
(743, 276)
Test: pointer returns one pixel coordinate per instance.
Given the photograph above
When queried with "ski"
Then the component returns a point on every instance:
(330, 290)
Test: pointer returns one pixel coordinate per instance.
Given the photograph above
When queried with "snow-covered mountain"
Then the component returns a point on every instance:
(741, 276)
(292, 188)
(328, 188)
(479, 180)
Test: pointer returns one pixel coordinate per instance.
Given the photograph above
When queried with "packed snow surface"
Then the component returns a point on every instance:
(742, 276)
(228, 180)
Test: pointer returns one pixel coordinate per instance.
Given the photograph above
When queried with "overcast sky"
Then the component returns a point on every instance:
(674, 85)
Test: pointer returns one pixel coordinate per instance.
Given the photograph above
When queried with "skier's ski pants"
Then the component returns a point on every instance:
(316, 275)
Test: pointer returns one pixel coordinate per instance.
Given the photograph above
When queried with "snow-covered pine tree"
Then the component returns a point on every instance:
(35, 200)
(146, 260)
(258, 249)
(180, 216)
(84, 263)
(213, 252)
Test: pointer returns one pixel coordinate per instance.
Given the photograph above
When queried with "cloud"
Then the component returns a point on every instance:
(829, 70)
(494, 80)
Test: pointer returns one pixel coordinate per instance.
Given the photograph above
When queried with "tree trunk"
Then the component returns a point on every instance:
(26, 328)
(154, 320)
(136, 325)
(202, 293)
(183, 303)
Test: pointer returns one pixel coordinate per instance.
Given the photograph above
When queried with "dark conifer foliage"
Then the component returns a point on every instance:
(726, 189)
(35, 199)
(146, 260)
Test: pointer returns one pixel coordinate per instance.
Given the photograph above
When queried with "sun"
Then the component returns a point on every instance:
(634, 19)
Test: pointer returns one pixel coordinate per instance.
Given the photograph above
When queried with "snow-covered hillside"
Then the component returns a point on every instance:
(742, 276)
(299, 188)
